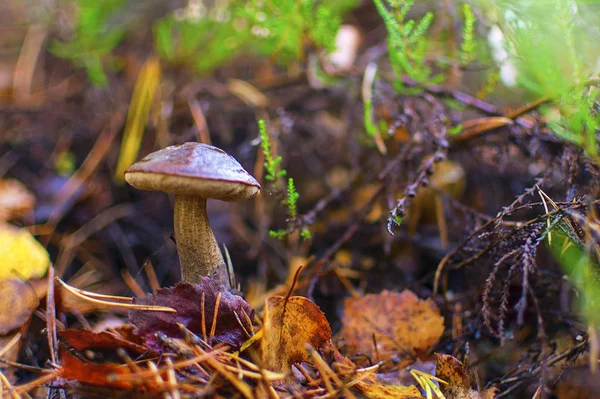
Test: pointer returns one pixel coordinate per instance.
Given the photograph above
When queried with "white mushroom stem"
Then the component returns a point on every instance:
(199, 253)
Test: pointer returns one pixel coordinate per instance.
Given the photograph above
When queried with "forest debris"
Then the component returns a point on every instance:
(76, 367)
(401, 325)
(458, 378)
(22, 256)
(290, 324)
(18, 300)
(15, 199)
(476, 127)
(214, 315)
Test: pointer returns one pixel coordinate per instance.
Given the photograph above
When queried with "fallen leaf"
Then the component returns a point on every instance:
(76, 367)
(451, 370)
(476, 127)
(15, 199)
(400, 323)
(101, 342)
(233, 318)
(18, 300)
(578, 382)
(291, 323)
(21, 255)
(10, 345)
(374, 389)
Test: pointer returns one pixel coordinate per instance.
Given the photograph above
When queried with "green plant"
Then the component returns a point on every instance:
(556, 57)
(580, 265)
(280, 29)
(290, 202)
(93, 39)
(407, 44)
(467, 47)
(292, 199)
(273, 173)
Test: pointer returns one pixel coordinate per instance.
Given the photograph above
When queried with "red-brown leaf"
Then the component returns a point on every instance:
(187, 300)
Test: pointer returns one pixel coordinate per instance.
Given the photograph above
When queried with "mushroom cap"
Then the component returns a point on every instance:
(193, 169)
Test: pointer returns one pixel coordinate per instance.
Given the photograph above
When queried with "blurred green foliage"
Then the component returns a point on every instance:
(407, 44)
(581, 268)
(202, 38)
(93, 38)
(467, 47)
(553, 44)
(281, 29)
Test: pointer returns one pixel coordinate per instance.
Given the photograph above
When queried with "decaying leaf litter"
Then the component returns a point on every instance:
(432, 267)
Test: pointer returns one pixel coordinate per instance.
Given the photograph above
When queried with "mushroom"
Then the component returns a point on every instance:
(195, 172)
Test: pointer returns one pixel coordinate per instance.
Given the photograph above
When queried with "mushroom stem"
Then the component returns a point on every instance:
(199, 253)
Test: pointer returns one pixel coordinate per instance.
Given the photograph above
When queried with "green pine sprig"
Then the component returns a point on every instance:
(273, 173)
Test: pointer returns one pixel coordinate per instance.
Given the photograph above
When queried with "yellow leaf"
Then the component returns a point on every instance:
(21, 255)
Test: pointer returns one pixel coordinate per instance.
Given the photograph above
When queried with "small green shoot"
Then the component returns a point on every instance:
(292, 199)
(290, 202)
(467, 47)
(273, 173)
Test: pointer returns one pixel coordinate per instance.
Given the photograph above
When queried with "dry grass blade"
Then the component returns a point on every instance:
(139, 109)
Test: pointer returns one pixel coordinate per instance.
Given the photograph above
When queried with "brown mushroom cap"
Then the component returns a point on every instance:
(193, 169)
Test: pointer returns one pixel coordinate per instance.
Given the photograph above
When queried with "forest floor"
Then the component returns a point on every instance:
(415, 253)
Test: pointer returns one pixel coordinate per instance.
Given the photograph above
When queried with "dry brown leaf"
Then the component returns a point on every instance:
(401, 323)
(578, 382)
(15, 199)
(291, 323)
(451, 370)
(18, 300)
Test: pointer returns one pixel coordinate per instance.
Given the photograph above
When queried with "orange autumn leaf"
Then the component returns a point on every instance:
(107, 374)
(400, 323)
(373, 389)
(291, 323)
(451, 370)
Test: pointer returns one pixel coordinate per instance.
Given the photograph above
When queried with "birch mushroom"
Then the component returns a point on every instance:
(194, 172)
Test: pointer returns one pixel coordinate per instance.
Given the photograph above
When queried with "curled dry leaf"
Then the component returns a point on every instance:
(291, 323)
(401, 324)
(451, 370)
(232, 327)
(18, 300)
